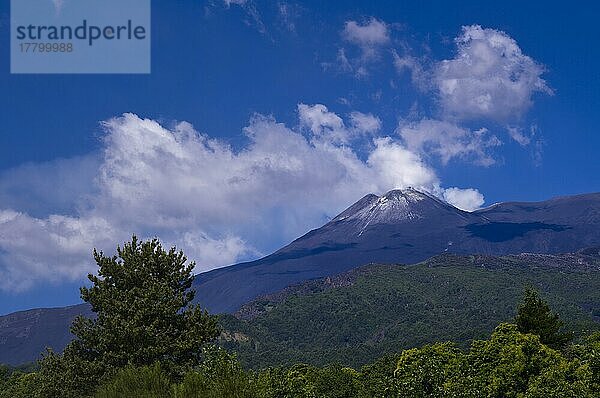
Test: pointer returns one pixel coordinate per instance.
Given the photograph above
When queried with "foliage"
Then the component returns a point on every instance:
(509, 364)
(219, 376)
(69, 375)
(143, 382)
(303, 380)
(18, 384)
(142, 297)
(387, 308)
(513, 364)
(148, 340)
(589, 356)
(378, 379)
(534, 316)
(424, 371)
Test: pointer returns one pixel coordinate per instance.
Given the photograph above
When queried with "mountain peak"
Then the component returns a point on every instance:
(392, 207)
(407, 194)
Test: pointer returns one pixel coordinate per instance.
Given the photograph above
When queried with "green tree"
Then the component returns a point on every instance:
(142, 298)
(16, 384)
(425, 371)
(589, 355)
(535, 316)
(513, 364)
(143, 382)
(219, 376)
(378, 378)
(335, 381)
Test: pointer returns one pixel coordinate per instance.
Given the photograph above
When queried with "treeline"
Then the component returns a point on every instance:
(508, 364)
(383, 309)
(148, 340)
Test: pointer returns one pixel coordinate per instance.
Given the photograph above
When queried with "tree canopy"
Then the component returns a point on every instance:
(535, 316)
(149, 340)
(142, 297)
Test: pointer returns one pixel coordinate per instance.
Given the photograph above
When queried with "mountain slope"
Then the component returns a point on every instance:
(362, 314)
(25, 335)
(402, 226)
(406, 226)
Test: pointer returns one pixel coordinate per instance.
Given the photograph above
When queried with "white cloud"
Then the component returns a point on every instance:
(365, 122)
(222, 205)
(448, 140)
(517, 134)
(342, 61)
(288, 14)
(31, 187)
(323, 123)
(465, 199)
(217, 252)
(395, 166)
(489, 77)
(228, 3)
(47, 249)
(369, 37)
(419, 75)
(329, 127)
(217, 204)
(253, 17)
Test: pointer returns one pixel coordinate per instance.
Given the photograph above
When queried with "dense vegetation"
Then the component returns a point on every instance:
(359, 316)
(142, 298)
(148, 340)
(508, 364)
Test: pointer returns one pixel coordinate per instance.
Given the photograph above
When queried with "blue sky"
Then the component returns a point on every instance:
(262, 119)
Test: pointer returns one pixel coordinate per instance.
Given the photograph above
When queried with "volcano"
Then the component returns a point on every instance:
(406, 226)
(400, 227)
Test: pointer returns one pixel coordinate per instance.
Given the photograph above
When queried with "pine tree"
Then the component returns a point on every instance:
(142, 298)
(535, 316)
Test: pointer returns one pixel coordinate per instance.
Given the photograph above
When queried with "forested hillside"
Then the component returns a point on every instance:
(148, 339)
(358, 316)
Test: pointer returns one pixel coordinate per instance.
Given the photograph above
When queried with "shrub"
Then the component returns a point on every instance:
(219, 376)
(142, 382)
